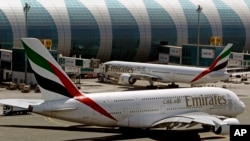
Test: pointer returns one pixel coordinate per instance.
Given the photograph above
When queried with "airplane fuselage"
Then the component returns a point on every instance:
(209, 106)
(138, 109)
(165, 73)
(142, 109)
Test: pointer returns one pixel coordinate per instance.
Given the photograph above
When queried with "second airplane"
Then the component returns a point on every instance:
(129, 72)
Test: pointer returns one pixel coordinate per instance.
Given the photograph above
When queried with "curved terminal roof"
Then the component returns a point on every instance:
(124, 29)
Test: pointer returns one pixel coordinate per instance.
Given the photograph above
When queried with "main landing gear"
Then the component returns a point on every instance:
(151, 84)
(151, 87)
(173, 85)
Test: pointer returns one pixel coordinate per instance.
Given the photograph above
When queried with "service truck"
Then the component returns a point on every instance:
(13, 110)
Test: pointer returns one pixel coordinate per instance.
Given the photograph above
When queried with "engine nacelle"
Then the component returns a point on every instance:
(127, 79)
(224, 128)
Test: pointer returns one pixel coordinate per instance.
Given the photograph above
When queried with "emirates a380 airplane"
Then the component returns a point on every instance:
(129, 72)
(172, 108)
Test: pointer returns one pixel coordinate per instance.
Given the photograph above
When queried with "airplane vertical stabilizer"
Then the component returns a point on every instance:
(50, 77)
(220, 63)
(52, 80)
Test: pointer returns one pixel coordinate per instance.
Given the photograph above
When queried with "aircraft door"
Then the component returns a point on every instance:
(170, 75)
(125, 116)
(229, 102)
(162, 109)
(108, 103)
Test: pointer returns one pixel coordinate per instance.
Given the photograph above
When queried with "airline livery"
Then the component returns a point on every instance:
(129, 72)
(172, 108)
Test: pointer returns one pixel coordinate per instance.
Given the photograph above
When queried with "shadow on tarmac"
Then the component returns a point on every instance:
(134, 87)
(127, 133)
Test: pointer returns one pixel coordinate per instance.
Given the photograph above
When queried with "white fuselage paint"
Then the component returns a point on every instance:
(141, 109)
(165, 73)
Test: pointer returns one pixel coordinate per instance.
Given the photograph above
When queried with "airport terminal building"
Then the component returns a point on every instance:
(130, 30)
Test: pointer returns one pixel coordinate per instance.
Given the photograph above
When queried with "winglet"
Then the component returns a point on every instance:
(219, 63)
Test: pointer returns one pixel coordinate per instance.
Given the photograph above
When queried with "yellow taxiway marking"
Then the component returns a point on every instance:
(51, 120)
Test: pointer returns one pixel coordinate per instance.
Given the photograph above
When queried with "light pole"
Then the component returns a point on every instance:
(198, 10)
(26, 9)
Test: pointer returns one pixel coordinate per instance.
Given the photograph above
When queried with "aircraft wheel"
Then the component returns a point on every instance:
(172, 85)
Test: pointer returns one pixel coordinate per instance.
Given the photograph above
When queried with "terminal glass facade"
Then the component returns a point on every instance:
(189, 54)
(126, 37)
(192, 23)
(85, 35)
(40, 23)
(6, 35)
(231, 25)
(162, 27)
(124, 29)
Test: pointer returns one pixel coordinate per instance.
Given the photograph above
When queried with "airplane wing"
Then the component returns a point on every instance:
(144, 76)
(139, 76)
(22, 103)
(188, 120)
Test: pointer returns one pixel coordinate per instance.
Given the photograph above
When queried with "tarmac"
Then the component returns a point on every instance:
(35, 127)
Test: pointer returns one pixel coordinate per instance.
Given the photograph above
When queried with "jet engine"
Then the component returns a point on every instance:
(127, 79)
(224, 128)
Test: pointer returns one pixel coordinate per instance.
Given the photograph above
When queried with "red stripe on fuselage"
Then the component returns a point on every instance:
(207, 71)
(94, 105)
(212, 66)
(75, 93)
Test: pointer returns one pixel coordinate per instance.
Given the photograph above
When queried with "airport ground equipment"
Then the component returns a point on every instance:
(13, 110)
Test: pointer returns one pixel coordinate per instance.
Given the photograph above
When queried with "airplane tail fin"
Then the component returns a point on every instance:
(220, 62)
(51, 79)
